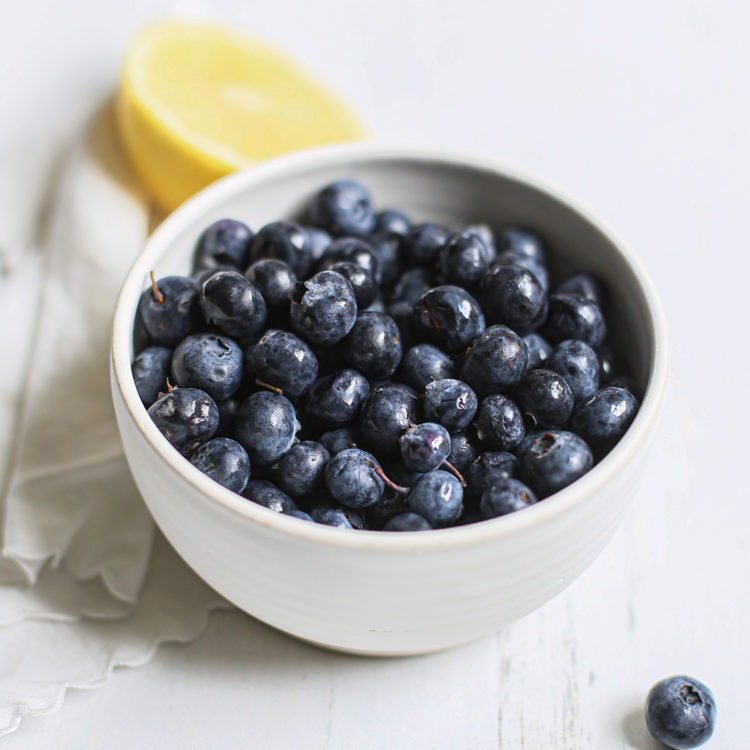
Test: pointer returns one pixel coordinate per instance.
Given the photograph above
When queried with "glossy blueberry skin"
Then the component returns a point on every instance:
(499, 423)
(232, 305)
(300, 514)
(274, 279)
(425, 446)
(333, 515)
(408, 522)
(463, 450)
(364, 286)
(353, 250)
(392, 221)
(495, 362)
(571, 317)
(423, 242)
(343, 208)
(412, 285)
(488, 469)
(578, 364)
(285, 241)
(545, 398)
(386, 415)
(510, 258)
(373, 346)
(512, 296)
(583, 285)
(680, 711)
(505, 496)
(539, 350)
(300, 471)
(265, 427)
(187, 417)
(339, 440)
(323, 308)
(387, 248)
(224, 243)
(318, 241)
(336, 399)
(425, 363)
(438, 497)
(225, 461)
(177, 314)
(210, 362)
(449, 316)
(553, 460)
(521, 242)
(284, 361)
(351, 479)
(464, 259)
(451, 403)
(486, 235)
(269, 496)
(605, 417)
(150, 369)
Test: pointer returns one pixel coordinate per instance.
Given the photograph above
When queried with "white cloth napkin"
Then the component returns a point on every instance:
(85, 584)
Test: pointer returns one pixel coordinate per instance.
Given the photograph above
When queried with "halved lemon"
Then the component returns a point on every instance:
(198, 102)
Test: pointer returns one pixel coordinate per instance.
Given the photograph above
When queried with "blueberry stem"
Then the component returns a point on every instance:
(455, 471)
(396, 487)
(269, 386)
(159, 298)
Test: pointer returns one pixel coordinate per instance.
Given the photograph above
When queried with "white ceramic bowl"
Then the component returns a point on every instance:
(376, 592)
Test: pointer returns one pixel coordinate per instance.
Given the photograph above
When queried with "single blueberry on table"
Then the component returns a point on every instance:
(187, 417)
(323, 308)
(392, 221)
(438, 497)
(224, 243)
(373, 346)
(337, 398)
(424, 364)
(210, 362)
(512, 296)
(605, 417)
(505, 496)
(521, 242)
(285, 241)
(463, 450)
(407, 522)
(423, 242)
(266, 425)
(168, 310)
(412, 285)
(300, 471)
(386, 415)
(488, 469)
(343, 208)
(464, 259)
(680, 712)
(451, 403)
(449, 316)
(274, 279)
(495, 362)
(225, 461)
(499, 422)
(364, 286)
(231, 304)
(334, 515)
(572, 317)
(339, 440)
(545, 398)
(353, 250)
(150, 369)
(553, 460)
(269, 495)
(353, 479)
(578, 364)
(284, 361)
(425, 446)
(539, 350)
(300, 514)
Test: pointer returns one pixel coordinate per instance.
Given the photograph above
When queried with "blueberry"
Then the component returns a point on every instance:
(499, 422)
(386, 415)
(202, 275)
(578, 364)
(337, 398)
(553, 460)
(425, 446)
(403, 315)
(463, 260)
(572, 317)
(187, 417)
(680, 712)
(510, 258)
(449, 316)
(364, 286)
(408, 522)
(463, 450)
(487, 469)
(266, 426)
(283, 361)
(521, 242)
(451, 403)
(512, 296)
(438, 497)
(300, 514)
(539, 350)
(607, 364)
(583, 285)
(485, 233)
(168, 309)
(344, 207)
(318, 241)
(332, 515)
(285, 241)
(387, 249)
(323, 308)
(210, 362)
(353, 250)
(224, 243)
(604, 418)
(423, 242)
(150, 369)
(373, 346)
(141, 339)
(352, 478)
(339, 440)
(412, 285)
(505, 496)
(393, 222)
(274, 279)
(425, 363)
(495, 362)
(300, 471)
(545, 398)
(225, 461)
(233, 305)
(269, 495)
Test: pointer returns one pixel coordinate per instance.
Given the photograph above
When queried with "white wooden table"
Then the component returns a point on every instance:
(642, 112)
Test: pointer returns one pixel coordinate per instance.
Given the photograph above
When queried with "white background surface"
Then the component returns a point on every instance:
(641, 113)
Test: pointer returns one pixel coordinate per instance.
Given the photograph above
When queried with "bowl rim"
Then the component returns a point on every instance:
(458, 536)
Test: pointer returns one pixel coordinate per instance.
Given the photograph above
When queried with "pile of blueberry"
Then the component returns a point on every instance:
(371, 373)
